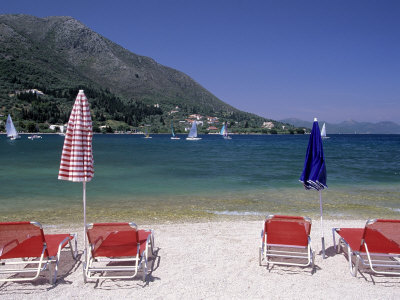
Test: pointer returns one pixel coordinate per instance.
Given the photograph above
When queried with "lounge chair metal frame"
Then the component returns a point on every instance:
(140, 260)
(365, 258)
(42, 262)
(266, 250)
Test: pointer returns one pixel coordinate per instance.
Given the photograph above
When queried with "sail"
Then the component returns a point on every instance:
(172, 129)
(193, 130)
(222, 132)
(11, 131)
(323, 131)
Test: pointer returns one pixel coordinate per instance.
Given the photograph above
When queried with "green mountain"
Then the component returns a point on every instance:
(59, 55)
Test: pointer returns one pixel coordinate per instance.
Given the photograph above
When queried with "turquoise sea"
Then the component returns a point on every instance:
(160, 179)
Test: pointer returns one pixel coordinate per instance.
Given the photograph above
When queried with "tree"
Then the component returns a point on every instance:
(109, 130)
(31, 127)
(96, 128)
(122, 128)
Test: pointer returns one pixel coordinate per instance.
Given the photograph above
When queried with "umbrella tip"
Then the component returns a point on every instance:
(315, 120)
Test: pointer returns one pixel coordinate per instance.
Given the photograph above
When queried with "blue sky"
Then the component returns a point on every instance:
(336, 60)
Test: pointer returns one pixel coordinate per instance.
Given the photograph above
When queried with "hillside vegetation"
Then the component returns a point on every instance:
(59, 55)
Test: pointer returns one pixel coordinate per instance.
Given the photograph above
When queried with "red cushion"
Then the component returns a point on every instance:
(287, 230)
(33, 246)
(352, 236)
(53, 241)
(379, 243)
(118, 244)
(122, 244)
(375, 240)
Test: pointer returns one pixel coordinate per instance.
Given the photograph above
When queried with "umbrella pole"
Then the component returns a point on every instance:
(322, 225)
(84, 219)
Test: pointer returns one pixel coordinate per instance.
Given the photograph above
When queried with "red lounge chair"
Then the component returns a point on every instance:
(287, 240)
(24, 240)
(377, 245)
(117, 247)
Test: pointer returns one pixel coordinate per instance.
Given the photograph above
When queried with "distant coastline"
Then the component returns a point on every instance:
(350, 127)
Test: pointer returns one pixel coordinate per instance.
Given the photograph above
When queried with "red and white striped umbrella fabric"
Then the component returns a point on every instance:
(77, 157)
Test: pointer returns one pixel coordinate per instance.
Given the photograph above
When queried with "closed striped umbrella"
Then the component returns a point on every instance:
(77, 157)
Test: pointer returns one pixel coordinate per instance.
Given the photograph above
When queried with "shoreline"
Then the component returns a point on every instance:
(67, 209)
(70, 218)
(215, 260)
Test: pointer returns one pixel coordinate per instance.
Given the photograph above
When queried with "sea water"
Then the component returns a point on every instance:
(161, 179)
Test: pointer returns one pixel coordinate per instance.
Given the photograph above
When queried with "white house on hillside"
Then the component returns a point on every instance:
(268, 125)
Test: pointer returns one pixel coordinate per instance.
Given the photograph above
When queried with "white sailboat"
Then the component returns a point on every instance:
(323, 132)
(224, 132)
(192, 136)
(10, 128)
(174, 137)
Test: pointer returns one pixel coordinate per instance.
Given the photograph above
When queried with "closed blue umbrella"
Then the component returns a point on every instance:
(314, 171)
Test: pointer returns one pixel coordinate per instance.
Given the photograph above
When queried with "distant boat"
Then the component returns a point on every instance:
(192, 136)
(224, 132)
(11, 131)
(147, 135)
(174, 137)
(323, 132)
(34, 136)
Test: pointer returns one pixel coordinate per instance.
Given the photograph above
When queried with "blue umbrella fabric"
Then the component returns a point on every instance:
(314, 171)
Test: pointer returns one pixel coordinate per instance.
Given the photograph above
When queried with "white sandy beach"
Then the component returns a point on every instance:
(215, 260)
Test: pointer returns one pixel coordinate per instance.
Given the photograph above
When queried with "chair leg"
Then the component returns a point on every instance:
(84, 273)
(356, 265)
(152, 243)
(74, 252)
(144, 262)
(339, 246)
(333, 236)
(266, 257)
(56, 269)
(312, 260)
(144, 274)
(353, 270)
(51, 277)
